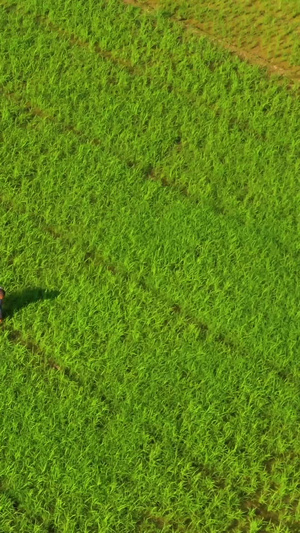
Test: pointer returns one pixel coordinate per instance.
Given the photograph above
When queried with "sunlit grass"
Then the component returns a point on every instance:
(240, 23)
(157, 385)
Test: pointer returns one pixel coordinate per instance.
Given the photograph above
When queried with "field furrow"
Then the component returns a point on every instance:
(149, 207)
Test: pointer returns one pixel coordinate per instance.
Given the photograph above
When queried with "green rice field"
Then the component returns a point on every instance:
(150, 253)
(265, 31)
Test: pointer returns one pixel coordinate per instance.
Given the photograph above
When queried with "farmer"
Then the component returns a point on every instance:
(2, 296)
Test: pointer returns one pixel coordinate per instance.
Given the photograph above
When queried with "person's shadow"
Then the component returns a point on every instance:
(14, 301)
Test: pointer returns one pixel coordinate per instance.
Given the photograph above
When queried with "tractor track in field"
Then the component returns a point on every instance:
(19, 509)
(242, 125)
(242, 525)
(96, 258)
(195, 26)
(186, 524)
(42, 114)
(261, 510)
(189, 24)
(149, 171)
(44, 21)
(149, 174)
(248, 505)
(16, 336)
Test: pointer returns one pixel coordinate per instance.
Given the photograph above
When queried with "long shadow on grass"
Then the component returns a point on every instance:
(17, 300)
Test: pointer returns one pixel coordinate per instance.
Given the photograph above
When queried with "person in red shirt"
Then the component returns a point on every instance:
(2, 296)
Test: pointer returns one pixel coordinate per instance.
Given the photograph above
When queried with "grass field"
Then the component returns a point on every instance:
(149, 206)
(266, 32)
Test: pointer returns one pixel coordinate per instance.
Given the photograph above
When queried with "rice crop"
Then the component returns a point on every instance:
(149, 206)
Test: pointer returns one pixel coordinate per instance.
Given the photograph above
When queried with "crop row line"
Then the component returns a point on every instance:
(195, 27)
(93, 256)
(203, 328)
(261, 512)
(150, 174)
(19, 509)
(38, 112)
(16, 336)
(259, 509)
(45, 21)
(189, 24)
(133, 70)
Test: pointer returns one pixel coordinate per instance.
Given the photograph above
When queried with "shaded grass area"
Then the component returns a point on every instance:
(19, 299)
(159, 389)
(189, 382)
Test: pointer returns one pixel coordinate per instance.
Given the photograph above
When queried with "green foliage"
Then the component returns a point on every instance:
(152, 180)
